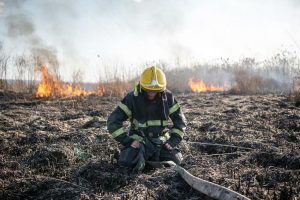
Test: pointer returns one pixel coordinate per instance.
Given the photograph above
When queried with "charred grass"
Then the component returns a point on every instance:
(60, 149)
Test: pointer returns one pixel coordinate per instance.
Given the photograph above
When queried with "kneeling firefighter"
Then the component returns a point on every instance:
(149, 108)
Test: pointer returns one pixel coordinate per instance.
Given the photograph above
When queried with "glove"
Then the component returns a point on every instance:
(125, 140)
(139, 160)
(174, 140)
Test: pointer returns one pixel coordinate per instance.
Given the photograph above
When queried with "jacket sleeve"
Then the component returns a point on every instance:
(115, 121)
(179, 123)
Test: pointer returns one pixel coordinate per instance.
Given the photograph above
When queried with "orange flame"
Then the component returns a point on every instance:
(201, 86)
(45, 86)
(51, 86)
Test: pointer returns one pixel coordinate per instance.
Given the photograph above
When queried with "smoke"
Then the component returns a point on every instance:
(1, 8)
(20, 28)
(19, 25)
(45, 55)
(90, 35)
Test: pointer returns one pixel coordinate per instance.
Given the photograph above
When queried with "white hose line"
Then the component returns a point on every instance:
(208, 188)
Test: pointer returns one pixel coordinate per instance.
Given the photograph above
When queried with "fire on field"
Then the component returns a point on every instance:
(51, 86)
(98, 99)
(201, 86)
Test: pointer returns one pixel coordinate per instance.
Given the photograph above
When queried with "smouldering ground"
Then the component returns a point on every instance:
(60, 149)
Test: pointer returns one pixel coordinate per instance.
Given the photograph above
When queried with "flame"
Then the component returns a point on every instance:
(51, 86)
(44, 88)
(201, 86)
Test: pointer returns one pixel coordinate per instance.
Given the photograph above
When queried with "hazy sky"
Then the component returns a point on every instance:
(87, 34)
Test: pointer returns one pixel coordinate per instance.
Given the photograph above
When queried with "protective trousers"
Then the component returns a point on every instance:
(149, 150)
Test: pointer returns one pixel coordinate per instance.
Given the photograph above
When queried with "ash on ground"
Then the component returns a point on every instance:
(60, 149)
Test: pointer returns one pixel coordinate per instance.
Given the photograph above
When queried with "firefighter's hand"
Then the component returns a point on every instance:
(168, 146)
(140, 165)
(139, 160)
(135, 144)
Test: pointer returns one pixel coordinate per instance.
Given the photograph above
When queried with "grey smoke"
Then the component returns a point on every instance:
(45, 56)
(20, 27)
(133, 32)
(1, 8)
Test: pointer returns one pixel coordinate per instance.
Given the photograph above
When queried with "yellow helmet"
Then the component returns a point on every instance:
(153, 78)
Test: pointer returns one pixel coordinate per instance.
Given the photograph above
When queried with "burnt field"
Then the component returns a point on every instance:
(60, 149)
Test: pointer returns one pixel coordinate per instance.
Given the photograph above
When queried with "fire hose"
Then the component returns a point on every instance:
(208, 188)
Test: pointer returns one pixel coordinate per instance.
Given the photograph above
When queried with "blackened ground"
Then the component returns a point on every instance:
(60, 149)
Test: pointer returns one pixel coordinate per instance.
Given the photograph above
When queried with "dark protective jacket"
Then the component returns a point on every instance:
(148, 118)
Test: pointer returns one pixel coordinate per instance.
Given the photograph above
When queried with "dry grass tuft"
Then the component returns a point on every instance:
(252, 83)
(116, 88)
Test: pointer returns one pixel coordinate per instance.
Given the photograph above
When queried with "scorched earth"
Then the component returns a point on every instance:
(60, 149)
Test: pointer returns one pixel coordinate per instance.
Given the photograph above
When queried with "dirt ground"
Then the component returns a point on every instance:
(60, 149)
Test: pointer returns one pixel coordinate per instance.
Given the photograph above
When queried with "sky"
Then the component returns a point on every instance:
(98, 36)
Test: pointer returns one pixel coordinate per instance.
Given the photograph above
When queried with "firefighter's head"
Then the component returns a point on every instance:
(153, 81)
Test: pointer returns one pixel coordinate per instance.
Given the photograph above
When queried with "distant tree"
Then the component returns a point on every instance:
(20, 63)
(77, 77)
(4, 58)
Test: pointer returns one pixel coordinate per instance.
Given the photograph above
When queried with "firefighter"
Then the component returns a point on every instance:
(151, 109)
